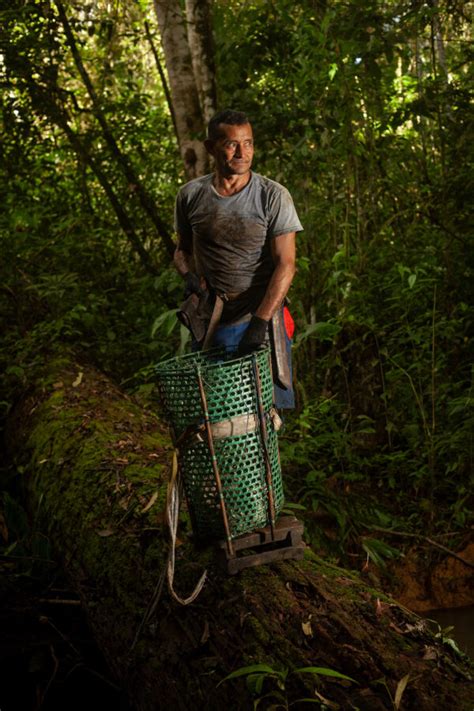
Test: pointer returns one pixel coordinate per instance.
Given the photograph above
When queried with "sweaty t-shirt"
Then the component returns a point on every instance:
(230, 237)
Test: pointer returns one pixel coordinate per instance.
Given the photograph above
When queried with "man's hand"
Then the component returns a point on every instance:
(254, 336)
(192, 284)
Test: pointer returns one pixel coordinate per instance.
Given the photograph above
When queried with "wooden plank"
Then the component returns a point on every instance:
(235, 565)
(264, 546)
(284, 526)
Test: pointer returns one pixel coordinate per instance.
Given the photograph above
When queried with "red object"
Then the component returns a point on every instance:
(289, 323)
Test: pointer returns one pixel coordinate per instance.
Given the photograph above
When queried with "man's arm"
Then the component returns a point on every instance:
(184, 263)
(284, 258)
(183, 260)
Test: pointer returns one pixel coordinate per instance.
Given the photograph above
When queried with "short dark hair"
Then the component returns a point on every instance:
(228, 116)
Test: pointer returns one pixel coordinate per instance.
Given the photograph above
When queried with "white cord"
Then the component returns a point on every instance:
(172, 510)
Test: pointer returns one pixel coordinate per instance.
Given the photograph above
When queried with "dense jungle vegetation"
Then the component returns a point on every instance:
(363, 110)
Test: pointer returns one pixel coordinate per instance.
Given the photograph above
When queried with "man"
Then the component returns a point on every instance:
(236, 239)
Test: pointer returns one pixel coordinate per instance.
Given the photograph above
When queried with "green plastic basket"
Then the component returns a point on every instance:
(232, 403)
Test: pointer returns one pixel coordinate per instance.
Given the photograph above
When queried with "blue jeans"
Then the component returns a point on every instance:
(229, 335)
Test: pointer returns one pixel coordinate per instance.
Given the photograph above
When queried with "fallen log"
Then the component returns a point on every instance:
(95, 467)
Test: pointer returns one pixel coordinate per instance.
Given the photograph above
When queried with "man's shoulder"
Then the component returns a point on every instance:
(195, 186)
(268, 185)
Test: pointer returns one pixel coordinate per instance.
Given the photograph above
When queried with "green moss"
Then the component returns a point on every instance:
(143, 472)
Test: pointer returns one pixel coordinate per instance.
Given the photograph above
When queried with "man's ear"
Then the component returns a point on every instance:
(209, 146)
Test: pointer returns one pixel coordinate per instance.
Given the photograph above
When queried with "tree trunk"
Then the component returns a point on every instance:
(198, 14)
(183, 86)
(95, 468)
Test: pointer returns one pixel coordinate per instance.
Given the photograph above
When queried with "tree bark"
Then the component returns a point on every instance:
(183, 86)
(201, 45)
(95, 470)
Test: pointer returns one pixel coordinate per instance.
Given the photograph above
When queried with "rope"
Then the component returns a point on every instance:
(172, 511)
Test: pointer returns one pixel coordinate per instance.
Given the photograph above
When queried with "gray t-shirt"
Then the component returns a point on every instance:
(230, 236)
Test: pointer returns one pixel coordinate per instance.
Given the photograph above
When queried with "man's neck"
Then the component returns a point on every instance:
(229, 185)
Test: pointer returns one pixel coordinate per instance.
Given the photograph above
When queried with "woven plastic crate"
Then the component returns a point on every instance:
(231, 392)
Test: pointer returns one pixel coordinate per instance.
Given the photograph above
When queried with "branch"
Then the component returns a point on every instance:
(164, 83)
(129, 171)
(423, 538)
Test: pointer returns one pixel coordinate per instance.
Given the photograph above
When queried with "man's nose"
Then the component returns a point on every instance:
(238, 150)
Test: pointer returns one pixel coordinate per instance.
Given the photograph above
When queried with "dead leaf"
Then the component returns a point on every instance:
(419, 626)
(393, 626)
(344, 581)
(150, 503)
(58, 385)
(121, 460)
(326, 702)
(42, 461)
(430, 654)
(78, 380)
(381, 607)
(106, 532)
(123, 443)
(307, 629)
(402, 684)
(124, 502)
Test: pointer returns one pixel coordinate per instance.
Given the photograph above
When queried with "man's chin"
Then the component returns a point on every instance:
(239, 169)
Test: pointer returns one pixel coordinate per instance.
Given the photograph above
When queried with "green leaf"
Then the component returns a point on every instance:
(295, 507)
(323, 671)
(378, 550)
(253, 669)
(165, 322)
(332, 71)
(184, 338)
(324, 330)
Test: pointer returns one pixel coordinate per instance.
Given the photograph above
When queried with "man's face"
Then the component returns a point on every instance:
(233, 150)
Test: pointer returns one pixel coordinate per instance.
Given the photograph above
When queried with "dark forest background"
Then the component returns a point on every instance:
(363, 110)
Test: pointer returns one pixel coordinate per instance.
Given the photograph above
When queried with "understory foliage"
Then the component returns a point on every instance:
(362, 109)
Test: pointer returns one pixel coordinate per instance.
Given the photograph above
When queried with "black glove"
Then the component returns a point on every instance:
(192, 284)
(254, 336)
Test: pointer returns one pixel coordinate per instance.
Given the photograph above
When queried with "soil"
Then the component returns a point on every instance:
(447, 584)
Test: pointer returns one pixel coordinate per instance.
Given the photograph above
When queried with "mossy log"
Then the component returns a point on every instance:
(96, 466)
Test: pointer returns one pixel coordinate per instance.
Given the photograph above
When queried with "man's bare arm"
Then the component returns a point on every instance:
(183, 260)
(284, 258)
